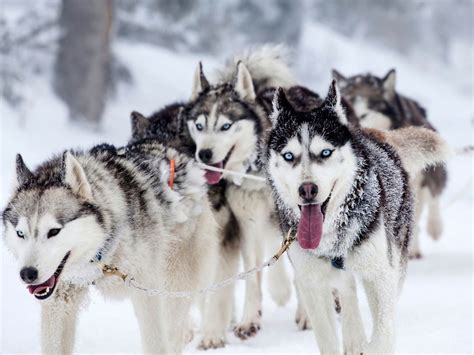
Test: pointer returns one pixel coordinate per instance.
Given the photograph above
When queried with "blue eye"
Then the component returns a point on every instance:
(20, 234)
(225, 126)
(199, 126)
(326, 153)
(288, 156)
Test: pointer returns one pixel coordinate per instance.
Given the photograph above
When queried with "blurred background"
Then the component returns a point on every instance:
(73, 70)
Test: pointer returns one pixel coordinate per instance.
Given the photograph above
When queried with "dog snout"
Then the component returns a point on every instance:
(308, 191)
(205, 155)
(29, 274)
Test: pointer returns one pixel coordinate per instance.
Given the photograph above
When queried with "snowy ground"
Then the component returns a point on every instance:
(435, 310)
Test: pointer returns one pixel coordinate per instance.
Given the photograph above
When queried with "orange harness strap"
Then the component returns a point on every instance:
(172, 171)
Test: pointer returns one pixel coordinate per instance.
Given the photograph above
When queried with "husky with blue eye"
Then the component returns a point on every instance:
(124, 207)
(344, 192)
(378, 105)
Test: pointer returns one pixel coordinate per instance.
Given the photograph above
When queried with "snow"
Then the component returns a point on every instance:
(435, 308)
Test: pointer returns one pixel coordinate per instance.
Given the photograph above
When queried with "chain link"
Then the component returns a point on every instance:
(109, 270)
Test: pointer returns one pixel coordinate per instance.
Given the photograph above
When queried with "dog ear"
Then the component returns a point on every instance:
(244, 84)
(389, 82)
(23, 174)
(200, 82)
(280, 105)
(139, 124)
(333, 100)
(340, 79)
(75, 177)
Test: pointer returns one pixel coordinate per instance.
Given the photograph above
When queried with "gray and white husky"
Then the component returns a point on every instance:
(378, 105)
(165, 126)
(345, 194)
(116, 207)
(227, 121)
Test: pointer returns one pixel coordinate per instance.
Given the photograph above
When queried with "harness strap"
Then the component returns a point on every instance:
(172, 172)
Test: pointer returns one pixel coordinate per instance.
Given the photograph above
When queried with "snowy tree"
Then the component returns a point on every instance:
(83, 61)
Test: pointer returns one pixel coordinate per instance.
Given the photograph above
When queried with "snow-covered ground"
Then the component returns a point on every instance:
(435, 309)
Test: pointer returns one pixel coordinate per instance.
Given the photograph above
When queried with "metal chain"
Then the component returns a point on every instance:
(109, 270)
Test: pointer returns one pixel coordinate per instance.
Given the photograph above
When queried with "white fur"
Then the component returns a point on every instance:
(266, 62)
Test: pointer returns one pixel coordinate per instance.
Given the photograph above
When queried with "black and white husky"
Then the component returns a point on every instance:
(118, 207)
(378, 105)
(227, 121)
(345, 194)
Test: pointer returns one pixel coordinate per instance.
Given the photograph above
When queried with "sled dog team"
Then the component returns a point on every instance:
(342, 173)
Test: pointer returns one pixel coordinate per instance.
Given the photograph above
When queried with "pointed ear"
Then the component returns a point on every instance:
(23, 174)
(389, 82)
(200, 82)
(244, 84)
(341, 79)
(280, 105)
(75, 177)
(139, 124)
(333, 100)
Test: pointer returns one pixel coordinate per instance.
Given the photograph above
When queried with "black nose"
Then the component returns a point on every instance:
(308, 191)
(205, 155)
(29, 274)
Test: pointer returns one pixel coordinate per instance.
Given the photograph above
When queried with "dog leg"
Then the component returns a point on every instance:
(218, 310)
(59, 319)
(251, 254)
(279, 283)
(353, 336)
(319, 303)
(382, 294)
(435, 223)
(153, 325)
(414, 251)
(301, 316)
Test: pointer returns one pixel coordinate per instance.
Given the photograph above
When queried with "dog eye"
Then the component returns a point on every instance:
(20, 234)
(326, 153)
(53, 232)
(199, 126)
(225, 126)
(288, 156)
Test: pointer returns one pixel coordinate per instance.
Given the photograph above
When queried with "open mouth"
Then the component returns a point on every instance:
(213, 177)
(46, 289)
(310, 226)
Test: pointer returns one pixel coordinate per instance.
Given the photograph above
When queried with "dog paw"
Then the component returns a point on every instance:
(415, 255)
(355, 347)
(246, 330)
(302, 320)
(434, 230)
(211, 343)
(281, 294)
(188, 336)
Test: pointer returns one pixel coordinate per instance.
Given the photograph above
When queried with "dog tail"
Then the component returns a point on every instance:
(268, 65)
(417, 147)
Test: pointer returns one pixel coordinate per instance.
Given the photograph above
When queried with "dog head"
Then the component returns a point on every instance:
(223, 122)
(163, 125)
(307, 153)
(372, 98)
(51, 223)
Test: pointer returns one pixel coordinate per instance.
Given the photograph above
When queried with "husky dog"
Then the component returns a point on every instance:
(378, 105)
(165, 126)
(116, 207)
(345, 193)
(226, 121)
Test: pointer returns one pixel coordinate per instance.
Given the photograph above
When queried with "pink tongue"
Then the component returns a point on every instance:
(40, 288)
(213, 177)
(310, 228)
